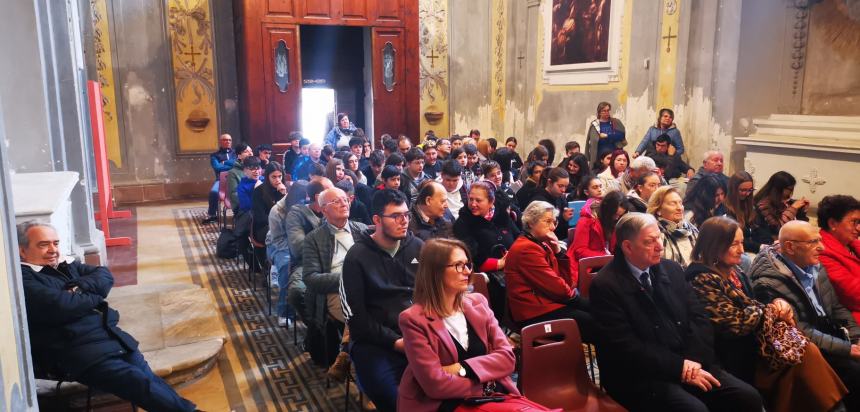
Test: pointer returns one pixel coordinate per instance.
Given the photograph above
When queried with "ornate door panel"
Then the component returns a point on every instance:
(282, 80)
(391, 10)
(389, 81)
(320, 10)
(356, 11)
(282, 7)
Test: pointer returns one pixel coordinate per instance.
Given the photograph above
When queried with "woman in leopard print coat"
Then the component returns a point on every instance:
(724, 291)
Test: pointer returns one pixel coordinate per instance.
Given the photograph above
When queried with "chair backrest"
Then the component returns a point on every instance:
(222, 188)
(570, 233)
(587, 269)
(554, 374)
(479, 284)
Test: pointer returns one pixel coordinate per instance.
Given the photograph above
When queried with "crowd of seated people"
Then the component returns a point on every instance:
(386, 243)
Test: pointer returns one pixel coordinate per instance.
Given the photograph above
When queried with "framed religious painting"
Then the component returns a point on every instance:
(582, 41)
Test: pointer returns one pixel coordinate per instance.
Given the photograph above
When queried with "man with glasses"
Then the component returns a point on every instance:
(377, 283)
(322, 260)
(791, 270)
(221, 160)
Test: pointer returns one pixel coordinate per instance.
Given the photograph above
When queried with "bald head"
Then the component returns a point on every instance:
(800, 242)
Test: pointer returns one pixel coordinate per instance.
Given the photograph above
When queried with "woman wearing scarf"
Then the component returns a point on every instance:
(679, 235)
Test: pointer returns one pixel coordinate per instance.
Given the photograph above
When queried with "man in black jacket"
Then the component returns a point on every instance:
(73, 331)
(654, 346)
(377, 284)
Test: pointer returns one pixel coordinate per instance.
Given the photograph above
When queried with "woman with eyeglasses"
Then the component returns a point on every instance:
(739, 206)
(737, 318)
(539, 282)
(839, 220)
(453, 342)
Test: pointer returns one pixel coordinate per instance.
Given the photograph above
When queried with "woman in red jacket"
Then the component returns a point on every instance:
(839, 219)
(590, 238)
(537, 274)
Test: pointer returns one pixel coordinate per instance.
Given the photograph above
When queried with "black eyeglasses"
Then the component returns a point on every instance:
(398, 217)
(461, 267)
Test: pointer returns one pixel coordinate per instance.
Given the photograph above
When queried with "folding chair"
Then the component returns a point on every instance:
(588, 269)
(479, 284)
(553, 373)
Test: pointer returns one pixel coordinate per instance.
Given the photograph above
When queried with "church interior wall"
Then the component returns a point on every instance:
(831, 83)
(469, 54)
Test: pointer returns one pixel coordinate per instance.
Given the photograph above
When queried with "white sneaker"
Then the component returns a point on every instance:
(273, 274)
(282, 322)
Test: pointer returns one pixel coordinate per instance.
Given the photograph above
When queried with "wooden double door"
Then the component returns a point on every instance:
(270, 78)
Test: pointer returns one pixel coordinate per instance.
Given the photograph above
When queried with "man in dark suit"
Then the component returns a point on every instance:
(655, 343)
(73, 332)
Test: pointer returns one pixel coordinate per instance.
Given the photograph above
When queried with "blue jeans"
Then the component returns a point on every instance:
(281, 262)
(213, 199)
(129, 377)
(379, 371)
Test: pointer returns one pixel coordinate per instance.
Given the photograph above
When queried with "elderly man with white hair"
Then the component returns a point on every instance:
(323, 255)
(712, 163)
(638, 168)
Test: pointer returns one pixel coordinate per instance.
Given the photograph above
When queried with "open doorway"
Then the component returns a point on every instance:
(333, 78)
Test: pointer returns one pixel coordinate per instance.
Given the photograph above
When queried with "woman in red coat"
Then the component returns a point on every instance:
(537, 274)
(839, 219)
(589, 239)
(453, 342)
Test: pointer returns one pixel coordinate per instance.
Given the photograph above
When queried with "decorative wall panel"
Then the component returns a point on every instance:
(104, 67)
(433, 66)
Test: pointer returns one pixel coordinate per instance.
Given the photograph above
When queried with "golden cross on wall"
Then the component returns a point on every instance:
(669, 38)
(432, 58)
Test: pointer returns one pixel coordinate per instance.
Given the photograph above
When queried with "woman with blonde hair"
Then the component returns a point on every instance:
(679, 235)
(453, 342)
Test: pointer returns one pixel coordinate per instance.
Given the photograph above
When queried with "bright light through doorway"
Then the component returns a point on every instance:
(317, 111)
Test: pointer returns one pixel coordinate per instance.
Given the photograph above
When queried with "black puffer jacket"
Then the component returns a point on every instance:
(376, 287)
(483, 236)
(71, 331)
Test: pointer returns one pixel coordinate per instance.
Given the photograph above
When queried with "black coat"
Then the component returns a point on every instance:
(644, 339)
(70, 332)
(483, 236)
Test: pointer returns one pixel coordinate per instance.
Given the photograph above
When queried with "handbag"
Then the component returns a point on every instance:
(500, 402)
(780, 344)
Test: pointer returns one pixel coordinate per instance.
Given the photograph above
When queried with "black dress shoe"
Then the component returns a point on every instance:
(210, 219)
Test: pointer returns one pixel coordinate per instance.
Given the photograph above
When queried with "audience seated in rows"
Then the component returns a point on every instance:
(738, 320)
(577, 169)
(638, 167)
(653, 343)
(675, 169)
(305, 163)
(839, 220)
(376, 285)
(791, 271)
(538, 276)
(236, 173)
(678, 234)
(505, 196)
(73, 331)
(453, 343)
(595, 232)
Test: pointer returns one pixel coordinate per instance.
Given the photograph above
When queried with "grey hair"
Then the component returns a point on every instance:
(643, 162)
(710, 153)
(631, 224)
(24, 227)
(320, 196)
(534, 211)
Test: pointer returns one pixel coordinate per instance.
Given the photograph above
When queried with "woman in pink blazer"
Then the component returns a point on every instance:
(453, 342)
